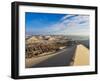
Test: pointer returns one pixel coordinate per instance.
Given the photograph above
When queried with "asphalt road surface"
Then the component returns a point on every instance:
(63, 58)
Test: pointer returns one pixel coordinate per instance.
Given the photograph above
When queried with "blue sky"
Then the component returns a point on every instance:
(57, 24)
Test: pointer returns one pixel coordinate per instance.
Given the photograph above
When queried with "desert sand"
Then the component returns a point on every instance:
(81, 56)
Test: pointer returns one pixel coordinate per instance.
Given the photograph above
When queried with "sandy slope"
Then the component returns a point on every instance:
(81, 56)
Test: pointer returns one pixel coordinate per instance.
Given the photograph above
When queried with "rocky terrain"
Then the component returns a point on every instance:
(42, 45)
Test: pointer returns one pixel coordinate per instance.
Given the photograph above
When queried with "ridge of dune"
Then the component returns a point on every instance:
(81, 55)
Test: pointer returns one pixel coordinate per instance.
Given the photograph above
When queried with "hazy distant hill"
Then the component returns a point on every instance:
(32, 39)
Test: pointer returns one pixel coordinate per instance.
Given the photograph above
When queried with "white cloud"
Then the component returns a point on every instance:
(78, 25)
(65, 17)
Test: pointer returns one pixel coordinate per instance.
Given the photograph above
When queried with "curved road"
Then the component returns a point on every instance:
(63, 58)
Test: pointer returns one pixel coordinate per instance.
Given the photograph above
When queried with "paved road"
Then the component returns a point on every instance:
(61, 59)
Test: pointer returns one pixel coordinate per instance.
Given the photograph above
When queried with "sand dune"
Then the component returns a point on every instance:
(81, 56)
